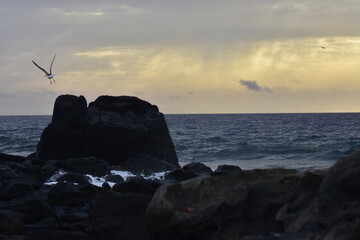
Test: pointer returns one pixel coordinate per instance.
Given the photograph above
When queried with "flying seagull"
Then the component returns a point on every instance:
(49, 75)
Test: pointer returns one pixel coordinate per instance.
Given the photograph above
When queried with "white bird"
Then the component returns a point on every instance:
(49, 75)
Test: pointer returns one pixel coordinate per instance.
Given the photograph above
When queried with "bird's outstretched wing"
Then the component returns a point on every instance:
(41, 68)
(52, 62)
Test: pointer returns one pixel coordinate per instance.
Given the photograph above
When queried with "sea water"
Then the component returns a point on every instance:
(300, 141)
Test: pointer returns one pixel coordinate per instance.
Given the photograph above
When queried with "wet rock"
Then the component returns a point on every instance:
(114, 178)
(106, 185)
(74, 178)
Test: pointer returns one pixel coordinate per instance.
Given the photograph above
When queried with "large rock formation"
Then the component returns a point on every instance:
(124, 131)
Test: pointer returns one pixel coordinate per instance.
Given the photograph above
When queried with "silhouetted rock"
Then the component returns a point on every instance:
(74, 178)
(198, 168)
(179, 175)
(114, 178)
(226, 169)
(137, 185)
(124, 131)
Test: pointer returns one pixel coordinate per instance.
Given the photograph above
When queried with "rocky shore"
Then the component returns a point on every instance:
(189, 202)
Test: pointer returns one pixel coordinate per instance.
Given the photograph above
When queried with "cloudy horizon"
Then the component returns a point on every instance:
(186, 57)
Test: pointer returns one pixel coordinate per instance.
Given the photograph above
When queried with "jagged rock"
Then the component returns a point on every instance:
(121, 130)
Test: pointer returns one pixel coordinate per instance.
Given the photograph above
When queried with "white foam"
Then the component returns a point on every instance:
(99, 181)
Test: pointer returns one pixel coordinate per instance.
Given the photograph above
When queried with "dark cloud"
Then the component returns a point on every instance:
(253, 86)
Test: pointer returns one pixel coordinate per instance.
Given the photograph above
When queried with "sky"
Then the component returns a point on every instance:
(199, 56)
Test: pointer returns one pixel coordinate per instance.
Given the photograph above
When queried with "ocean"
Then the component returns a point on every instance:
(300, 141)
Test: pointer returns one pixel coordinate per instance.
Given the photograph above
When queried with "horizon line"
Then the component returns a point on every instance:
(229, 113)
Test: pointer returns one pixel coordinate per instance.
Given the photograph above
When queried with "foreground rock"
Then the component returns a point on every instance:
(232, 204)
(262, 204)
(126, 132)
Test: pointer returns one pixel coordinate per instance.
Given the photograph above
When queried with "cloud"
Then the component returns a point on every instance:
(253, 86)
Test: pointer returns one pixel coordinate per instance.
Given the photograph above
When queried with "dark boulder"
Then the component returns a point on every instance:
(198, 168)
(137, 185)
(114, 178)
(74, 178)
(179, 175)
(226, 169)
(124, 131)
